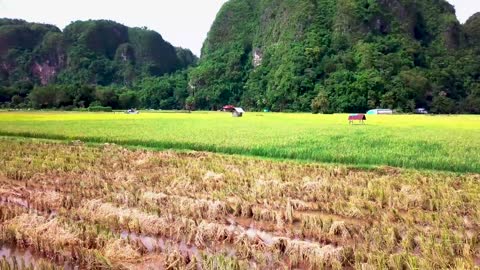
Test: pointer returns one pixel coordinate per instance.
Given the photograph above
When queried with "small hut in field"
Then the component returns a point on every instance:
(228, 108)
(361, 118)
(238, 112)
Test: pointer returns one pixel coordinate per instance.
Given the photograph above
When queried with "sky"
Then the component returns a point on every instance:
(183, 23)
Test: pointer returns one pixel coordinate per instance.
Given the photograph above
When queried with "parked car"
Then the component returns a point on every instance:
(421, 111)
(132, 111)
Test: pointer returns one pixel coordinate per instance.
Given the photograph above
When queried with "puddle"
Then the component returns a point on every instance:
(189, 250)
(267, 238)
(15, 201)
(300, 214)
(25, 257)
(250, 231)
(243, 221)
(160, 244)
(244, 225)
(153, 244)
(249, 227)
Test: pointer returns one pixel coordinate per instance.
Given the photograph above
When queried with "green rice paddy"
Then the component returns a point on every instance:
(450, 143)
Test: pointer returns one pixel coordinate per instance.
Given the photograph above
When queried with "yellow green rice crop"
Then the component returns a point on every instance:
(449, 143)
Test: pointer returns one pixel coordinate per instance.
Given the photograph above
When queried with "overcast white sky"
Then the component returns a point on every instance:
(184, 23)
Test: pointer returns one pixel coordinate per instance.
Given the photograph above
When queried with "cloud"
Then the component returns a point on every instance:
(465, 8)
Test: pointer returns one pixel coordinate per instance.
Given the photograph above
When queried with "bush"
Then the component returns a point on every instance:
(81, 110)
(67, 108)
(441, 104)
(50, 96)
(99, 109)
(128, 100)
(320, 104)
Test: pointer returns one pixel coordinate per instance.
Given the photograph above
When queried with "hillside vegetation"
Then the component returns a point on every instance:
(43, 67)
(340, 56)
(282, 55)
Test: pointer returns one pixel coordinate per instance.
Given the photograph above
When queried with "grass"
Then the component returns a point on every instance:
(449, 143)
(107, 207)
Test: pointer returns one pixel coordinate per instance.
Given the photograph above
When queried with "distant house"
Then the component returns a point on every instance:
(238, 112)
(380, 111)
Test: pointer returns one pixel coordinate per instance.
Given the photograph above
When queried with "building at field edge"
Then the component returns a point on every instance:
(380, 111)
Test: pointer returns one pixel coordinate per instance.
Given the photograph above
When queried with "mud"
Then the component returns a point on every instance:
(298, 215)
(15, 201)
(23, 257)
(159, 244)
(19, 202)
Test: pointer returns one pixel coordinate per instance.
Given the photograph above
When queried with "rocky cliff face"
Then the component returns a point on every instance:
(18, 37)
(281, 53)
(472, 31)
(92, 52)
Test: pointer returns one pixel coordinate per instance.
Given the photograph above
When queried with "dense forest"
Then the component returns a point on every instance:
(340, 56)
(90, 63)
(283, 55)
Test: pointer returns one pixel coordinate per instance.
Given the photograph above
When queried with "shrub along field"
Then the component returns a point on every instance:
(107, 207)
(450, 143)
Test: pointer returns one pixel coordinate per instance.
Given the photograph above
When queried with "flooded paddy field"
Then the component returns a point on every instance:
(72, 206)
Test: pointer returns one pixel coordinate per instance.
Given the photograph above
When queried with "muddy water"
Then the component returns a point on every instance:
(160, 244)
(26, 258)
(267, 238)
(356, 221)
(249, 227)
(15, 201)
(150, 243)
(266, 231)
(153, 244)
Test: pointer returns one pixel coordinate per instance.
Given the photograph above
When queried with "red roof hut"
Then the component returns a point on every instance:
(228, 108)
(357, 117)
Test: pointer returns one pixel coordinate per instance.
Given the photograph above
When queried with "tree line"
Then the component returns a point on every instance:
(321, 56)
(168, 92)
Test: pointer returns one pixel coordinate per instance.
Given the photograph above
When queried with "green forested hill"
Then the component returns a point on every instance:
(472, 31)
(283, 55)
(340, 56)
(68, 66)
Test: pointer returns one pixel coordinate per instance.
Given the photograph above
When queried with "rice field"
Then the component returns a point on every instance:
(76, 206)
(446, 143)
